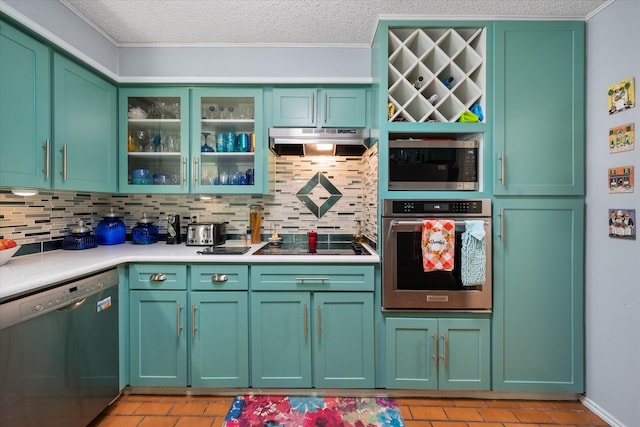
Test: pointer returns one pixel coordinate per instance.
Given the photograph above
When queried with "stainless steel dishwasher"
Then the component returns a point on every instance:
(59, 353)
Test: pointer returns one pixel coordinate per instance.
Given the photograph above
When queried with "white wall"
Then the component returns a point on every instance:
(612, 265)
(190, 64)
(57, 23)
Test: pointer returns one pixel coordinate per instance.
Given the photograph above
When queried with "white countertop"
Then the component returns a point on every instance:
(30, 272)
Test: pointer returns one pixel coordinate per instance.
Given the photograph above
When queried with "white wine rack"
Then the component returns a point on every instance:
(421, 60)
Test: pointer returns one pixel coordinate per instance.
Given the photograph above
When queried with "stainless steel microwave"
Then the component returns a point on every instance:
(426, 164)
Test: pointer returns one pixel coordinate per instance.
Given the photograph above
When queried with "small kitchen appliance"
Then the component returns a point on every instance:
(405, 283)
(206, 234)
(173, 230)
(418, 164)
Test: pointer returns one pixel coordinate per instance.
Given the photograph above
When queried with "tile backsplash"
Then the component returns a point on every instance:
(49, 215)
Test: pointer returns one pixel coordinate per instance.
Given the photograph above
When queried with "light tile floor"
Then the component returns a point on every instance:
(210, 411)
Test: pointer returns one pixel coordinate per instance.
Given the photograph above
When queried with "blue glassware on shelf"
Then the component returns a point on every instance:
(244, 142)
(220, 142)
(212, 112)
(230, 142)
(206, 148)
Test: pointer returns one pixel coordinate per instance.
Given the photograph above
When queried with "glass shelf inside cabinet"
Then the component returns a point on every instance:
(228, 140)
(435, 74)
(154, 141)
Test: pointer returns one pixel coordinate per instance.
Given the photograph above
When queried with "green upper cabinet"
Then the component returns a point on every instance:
(25, 110)
(539, 135)
(538, 313)
(312, 107)
(154, 136)
(85, 138)
(228, 141)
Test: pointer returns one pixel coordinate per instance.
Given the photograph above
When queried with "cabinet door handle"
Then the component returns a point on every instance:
(179, 322)
(219, 278)
(502, 225)
(64, 162)
(312, 279)
(193, 320)
(325, 108)
(305, 321)
(435, 350)
(47, 157)
(158, 277)
(502, 173)
(183, 171)
(194, 172)
(319, 323)
(444, 350)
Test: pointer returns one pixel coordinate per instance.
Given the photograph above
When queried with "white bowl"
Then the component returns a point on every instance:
(7, 253)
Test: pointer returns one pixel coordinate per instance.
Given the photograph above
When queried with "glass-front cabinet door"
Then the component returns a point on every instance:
(228, 141)
(156, 135)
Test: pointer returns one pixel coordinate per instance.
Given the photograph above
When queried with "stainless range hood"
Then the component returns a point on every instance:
(318, 142)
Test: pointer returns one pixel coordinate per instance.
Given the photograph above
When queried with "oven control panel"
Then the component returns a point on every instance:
(463, 207)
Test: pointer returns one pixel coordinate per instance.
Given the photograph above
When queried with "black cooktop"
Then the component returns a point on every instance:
(322, 248)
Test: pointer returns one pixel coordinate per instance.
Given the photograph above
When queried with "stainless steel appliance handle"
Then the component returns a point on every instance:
(219, 278)
(193, 320)
(444, 350)
(64, 162)
(72, 306)
(47, 157)
(305, 321)
(158, 277)
(435, 350)
(396, 223)
(178, 318)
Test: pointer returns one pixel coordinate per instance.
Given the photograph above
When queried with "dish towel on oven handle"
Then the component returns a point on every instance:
(473, 254)
(438, 243)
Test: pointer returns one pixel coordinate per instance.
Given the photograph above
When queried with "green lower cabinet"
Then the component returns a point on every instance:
(219, 339)
(343, 355)
(158, 338)
(305, 339)
(444, 354)
(538, 310)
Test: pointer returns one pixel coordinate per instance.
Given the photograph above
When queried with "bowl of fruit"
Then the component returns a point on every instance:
(8, 247)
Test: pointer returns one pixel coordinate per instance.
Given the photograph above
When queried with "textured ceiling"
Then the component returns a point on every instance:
(304, 22)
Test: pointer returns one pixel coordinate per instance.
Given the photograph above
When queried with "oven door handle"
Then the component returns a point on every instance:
(397, 223)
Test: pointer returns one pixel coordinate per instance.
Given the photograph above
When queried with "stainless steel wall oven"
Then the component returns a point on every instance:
(405, 284)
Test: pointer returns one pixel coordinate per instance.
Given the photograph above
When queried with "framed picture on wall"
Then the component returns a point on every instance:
(622, 138)
(621, 96)
(621, 179)
(622, 223)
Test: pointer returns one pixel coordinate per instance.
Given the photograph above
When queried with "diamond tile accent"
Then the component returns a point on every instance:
(305, 195)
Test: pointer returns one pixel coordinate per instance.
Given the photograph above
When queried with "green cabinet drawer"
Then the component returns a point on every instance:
(158, 276)
(312, 277)
(219, 277)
